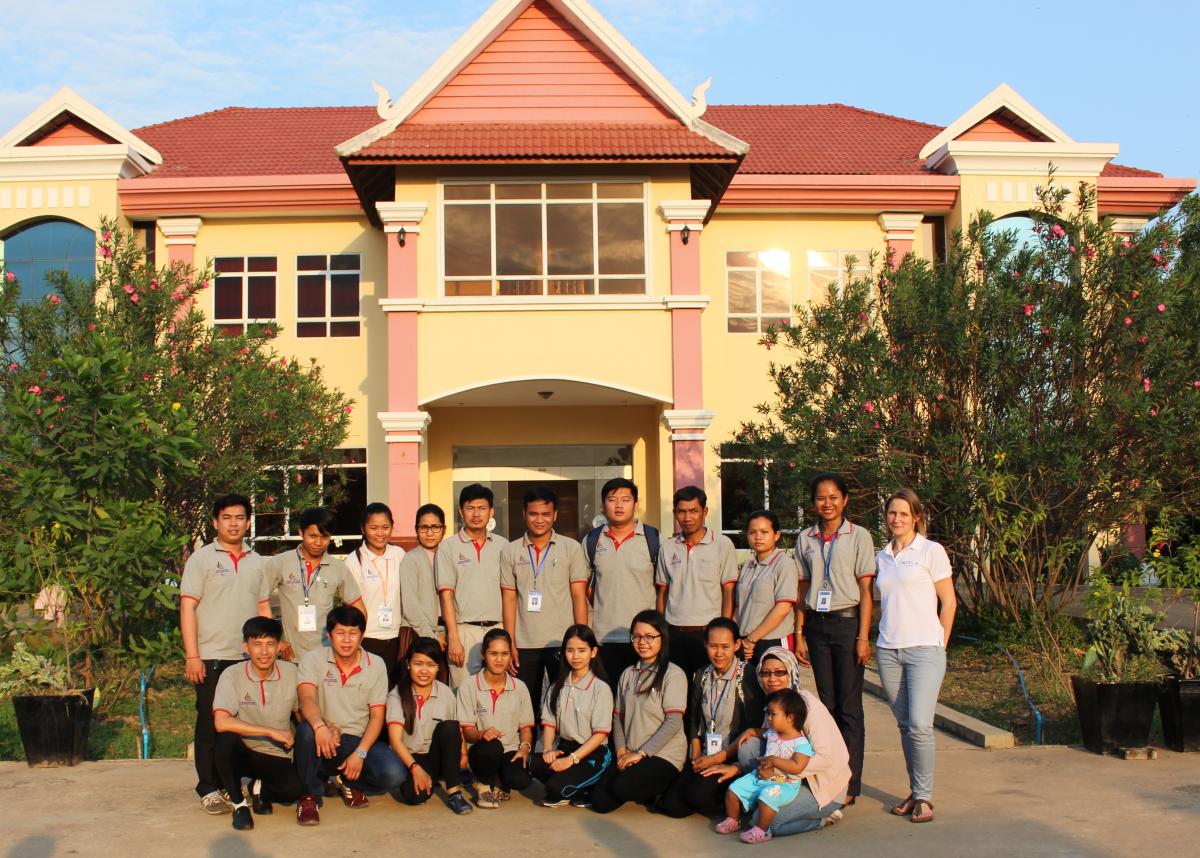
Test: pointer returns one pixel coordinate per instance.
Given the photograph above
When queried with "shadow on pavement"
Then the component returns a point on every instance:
(32, 847)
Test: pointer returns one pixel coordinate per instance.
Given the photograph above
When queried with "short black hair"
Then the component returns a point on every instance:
(262, 627)
(618, 483)
(826, 477)
(429, 509)
(346, 615)
(792, 704)
(690, 493)
(494, 635)
(764, 513)
(726, 623)
(475, 491)
(226, 501)
(375, 508)
(318, 515)
(540, 493)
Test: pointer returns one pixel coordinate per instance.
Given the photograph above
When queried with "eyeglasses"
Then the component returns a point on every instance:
(430, 528)
(644, 638)
(779, 674)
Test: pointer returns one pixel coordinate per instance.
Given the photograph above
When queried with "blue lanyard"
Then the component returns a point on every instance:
(828, 558)
(537, 567)
(716, 708)
(305, 585)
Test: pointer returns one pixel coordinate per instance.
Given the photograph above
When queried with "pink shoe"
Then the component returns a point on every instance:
(755, 835)
(728, 825)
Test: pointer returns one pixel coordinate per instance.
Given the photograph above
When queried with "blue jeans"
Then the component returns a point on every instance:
(382, 770)
(797, 816)
(911, 679)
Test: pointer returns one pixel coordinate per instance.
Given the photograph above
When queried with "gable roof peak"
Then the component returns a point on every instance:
(66, 100)
(1002, 98)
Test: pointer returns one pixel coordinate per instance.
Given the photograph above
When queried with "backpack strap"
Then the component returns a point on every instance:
(653, 542)
(589, 544)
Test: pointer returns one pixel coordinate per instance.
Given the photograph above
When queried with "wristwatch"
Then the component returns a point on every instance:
(362, 755)
(574, 758)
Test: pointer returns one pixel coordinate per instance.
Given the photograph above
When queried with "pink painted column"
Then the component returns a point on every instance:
(686, 419)
(901, 230)
(179, 235)
(403, 423)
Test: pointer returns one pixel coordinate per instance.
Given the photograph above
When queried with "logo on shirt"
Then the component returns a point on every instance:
(222, 569)
(330, 678)
(675, 561)
(247, 700)
(601, 548)
(464, 560)
(480, 709)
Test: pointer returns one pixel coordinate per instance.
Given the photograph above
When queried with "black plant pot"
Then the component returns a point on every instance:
(54, 728)
(1114, 715)
(1179, 706)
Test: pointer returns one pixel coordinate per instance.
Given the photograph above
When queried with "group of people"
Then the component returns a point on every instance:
(627, 667)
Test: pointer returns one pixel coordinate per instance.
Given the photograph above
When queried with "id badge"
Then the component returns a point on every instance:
(824, 600)
(385, 616)
(307, 618)
(713, 744)
(534, 602)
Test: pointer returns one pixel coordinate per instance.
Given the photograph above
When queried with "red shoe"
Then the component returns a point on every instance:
(354, 798)
(307, 812)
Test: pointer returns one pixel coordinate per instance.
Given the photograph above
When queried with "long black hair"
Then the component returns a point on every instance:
(430, 648)
(584, 633)
(658, 622)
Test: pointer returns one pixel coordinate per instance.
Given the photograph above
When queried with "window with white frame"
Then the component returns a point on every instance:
(327, 303)
(827, 269)
(544, 238)
(243, 292)
(759, 286)
(290, 487)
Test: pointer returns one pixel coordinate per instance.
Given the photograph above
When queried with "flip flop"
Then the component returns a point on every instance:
(905, 807)
(924, 817)
(755, 835)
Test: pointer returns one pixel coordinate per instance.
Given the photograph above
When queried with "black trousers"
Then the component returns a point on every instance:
(691, 792)
(833, 651)
(616, 657)
(495, 766)
(387, 650)
(236, 761)
(534, 664)
(205, 735)
(440, 762)
(766, 644)
(642, 782)
(580, 778)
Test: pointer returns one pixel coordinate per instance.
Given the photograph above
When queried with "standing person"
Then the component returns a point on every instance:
(309, 583)
(647, 721)
(543, 583)
(914, 577)
(252, 712)
(576, 722)
(495, 713)
(375, 567)
(696, 576)
(224, 584)
(766, 589)
(423, 731)
(468, 582)
(418, 592)
(343, 692)
(725, 700)
(833, 622)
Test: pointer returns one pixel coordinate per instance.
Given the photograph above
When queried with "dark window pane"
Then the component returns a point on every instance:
(518, 192)
(310, 329)
(569, 238)
(468, 242)
(227, 264)
(343, 295)
(570, 191)
(619, 190)
(518, 239)
(741, 493)
(227, 298)
(260, 298)
(520, 287)
(743, 325)
(466, 288)
(231, 330)
(622, 287)
(344, 262)
(310, 263)
(269, 506)
(622, 239)
(343, 329)
(350, 455)
(310, 296)
(261, 263)
(572, 287)
(466, 192)
(352, 497)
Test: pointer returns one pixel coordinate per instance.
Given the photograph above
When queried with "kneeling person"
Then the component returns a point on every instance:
(343, 692)
(252, 710)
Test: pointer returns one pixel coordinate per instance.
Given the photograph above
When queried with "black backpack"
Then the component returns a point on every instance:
(593, 539)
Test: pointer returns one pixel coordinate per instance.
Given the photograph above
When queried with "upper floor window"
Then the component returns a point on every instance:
(35, 251)
(243, 292)
(759, 288)
(827, 269)
(327, 295)
(544, 238)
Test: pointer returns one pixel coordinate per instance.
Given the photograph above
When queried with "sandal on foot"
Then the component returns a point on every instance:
(924, 817)
(833, 819)
(728, 825)
(905, 807)
(754, 835)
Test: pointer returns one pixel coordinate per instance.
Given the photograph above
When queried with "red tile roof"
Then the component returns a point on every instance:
(542, 141)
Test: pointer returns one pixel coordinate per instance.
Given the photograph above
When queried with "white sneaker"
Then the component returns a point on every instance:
(833, 818)
(216, 803)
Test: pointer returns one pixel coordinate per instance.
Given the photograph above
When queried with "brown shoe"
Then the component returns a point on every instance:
(307, 812)
(353, 797)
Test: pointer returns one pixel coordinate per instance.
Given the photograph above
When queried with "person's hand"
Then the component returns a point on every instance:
(722, 773)
(707, 762)
(522, 754)
(629, 759)
(286, 652)
(800, 648)
(455, 653)
(548, 757)
(561, 764)
(193, 669)
(746, 736)
(421, 780)
(282, 737)
(747, 649)
(864, 652)
(766, 768)
(514, 663)
(489, 734)
(351, 767)
(327, 745)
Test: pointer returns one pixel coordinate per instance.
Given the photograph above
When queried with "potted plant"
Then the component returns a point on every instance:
(1179, 695)
(54, 718)
(1117, 690)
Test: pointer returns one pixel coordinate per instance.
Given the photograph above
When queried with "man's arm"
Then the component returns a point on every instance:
(579, 602)
(193, 669)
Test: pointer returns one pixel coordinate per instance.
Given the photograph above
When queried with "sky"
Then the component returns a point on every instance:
(1102, 71)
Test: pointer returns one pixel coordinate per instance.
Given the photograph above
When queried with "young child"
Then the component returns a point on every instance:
(496, 716)
(776, 782)
(577, 712)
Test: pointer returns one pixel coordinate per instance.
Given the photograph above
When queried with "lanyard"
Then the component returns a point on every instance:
(305, 584)
(537, 566)
(769, 566)
(716, 707)
(828, 558)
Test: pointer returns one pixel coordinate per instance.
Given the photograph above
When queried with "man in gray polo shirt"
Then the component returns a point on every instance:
(543, 582)
(223, 585)
(697, 572)
(310, 582)
(252, 711)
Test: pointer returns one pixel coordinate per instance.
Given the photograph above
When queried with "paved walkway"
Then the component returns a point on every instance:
(1024, 802)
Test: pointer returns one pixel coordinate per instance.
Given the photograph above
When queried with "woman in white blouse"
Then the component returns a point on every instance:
(917, 606)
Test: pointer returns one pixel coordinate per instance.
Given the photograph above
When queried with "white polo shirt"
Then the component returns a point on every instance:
(908, 601)
(378, 579)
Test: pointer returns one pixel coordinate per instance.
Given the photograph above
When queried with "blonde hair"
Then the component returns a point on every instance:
(918, 509)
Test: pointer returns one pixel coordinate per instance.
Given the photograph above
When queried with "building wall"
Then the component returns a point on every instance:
(82, 201)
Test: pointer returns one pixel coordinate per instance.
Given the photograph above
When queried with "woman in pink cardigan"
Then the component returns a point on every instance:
(828, 771)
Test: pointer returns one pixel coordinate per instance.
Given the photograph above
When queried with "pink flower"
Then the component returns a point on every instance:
(35, 390)
(868, 407)
(1143, 340)
(9, 276)
(347, 409)
(1128, 321)
(1028, 309)
(1072, 248)
(1162, 307)
(875, 425)
(12, 367)
(177, 295)
(1091, 254)
(940, 397)
(1153, 412)
(298, 479)
(245, 350)
(105, 252)
(154, 283)
(55, 300)
(1146, 384)
(204, 285)
(862, 317)
(270, 498)
(791, 464)
(59, 398)
(1058, 231)
(1196, 384)
(145, 376)
(1125, 242)
(91, 326)
(134, 297)
(1045, 330)
(128, 287)
(106, 236)
(1135, 293)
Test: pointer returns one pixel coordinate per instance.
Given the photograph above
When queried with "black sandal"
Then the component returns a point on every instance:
(905, 807)
(923, 818)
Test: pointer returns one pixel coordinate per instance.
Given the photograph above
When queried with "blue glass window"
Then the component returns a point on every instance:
(1022, 225)
(54, 245)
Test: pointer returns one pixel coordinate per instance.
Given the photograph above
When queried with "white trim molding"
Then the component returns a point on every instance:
(1127, 225)
(677, 211)
(180, 230)
(900, 226)
(401, 215)
(541, 303)
(1003, 97)
(72, 163)
(66, 100)
(549, 379)
(687, 424)
(404, 427)
(992, 158)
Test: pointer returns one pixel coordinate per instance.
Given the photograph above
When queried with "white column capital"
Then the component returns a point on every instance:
(180, 230)
(900, 226)
(404, 426)
(687, 424)
(397, 215)
(680, 211)
(1128, 225)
